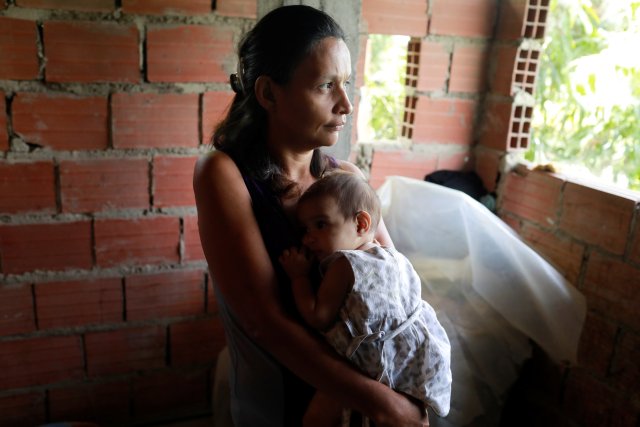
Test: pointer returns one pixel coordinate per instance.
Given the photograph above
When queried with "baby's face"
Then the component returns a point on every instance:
(325, 229)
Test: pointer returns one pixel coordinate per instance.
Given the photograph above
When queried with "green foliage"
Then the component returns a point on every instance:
(384, 82)
(580, 116)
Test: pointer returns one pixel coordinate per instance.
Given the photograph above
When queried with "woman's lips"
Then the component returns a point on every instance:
(336, 127)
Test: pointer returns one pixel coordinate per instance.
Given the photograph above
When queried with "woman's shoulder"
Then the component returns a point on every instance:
(216, 170)
(214, 165)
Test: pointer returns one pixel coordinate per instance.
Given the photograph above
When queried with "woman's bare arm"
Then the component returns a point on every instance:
(242, 269)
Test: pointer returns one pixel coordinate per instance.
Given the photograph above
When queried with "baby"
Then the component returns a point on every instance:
(368, 304)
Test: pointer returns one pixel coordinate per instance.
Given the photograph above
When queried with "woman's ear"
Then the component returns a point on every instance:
(263, 88)
(363, 221)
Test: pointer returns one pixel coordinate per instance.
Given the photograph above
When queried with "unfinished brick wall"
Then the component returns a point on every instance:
(106, 310)
(446, 82)
(473, 77)
(592, 236)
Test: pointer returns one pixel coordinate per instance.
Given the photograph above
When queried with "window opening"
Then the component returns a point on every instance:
(383, 96)
(586, 118)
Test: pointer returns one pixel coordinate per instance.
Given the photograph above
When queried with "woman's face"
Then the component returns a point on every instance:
(311, 110)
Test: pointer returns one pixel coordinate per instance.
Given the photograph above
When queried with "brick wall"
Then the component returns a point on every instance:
(592, 236)
(472, 91)
(106, 310)
(449, 54)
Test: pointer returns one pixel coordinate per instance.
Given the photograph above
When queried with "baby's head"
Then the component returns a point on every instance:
(351, 192)
(339, 211)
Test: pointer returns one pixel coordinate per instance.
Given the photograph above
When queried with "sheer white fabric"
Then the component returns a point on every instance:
(490, 290)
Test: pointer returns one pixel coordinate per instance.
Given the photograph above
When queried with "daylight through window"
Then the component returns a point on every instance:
(587, 113)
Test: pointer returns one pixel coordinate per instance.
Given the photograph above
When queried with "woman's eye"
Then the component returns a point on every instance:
(327, 85)
(320, 225)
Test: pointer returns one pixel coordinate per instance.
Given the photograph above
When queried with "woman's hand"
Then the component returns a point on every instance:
(402, 412)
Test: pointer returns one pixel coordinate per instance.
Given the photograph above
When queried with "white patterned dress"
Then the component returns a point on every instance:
(389, 332)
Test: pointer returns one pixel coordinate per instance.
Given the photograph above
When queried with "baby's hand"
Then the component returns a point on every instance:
(295, 262)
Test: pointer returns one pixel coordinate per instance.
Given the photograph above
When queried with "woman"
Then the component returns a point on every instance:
(290, 100)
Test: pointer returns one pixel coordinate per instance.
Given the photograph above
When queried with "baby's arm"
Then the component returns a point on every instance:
(318, 310)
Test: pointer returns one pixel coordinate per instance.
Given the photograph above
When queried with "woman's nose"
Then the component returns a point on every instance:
(343, 105)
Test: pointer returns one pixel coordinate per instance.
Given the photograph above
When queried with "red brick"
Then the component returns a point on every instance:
(60, 246)
(167, 7)
(473, 18)
(206, 335)
(434, 66)
(80, 5)
(189, 53)
(400, 163)
(512, 16)
(468, 69)
(173, 181)
(79, 302)
(145, 120)
(125, 350)
(534, 197)
(597, 216)
(103, 184)
(169, 394)
(241, 8)
(408, 17)
(588, 401)
(166, 294)
(40, 361)
(625, 369)
(505, 60)
(137, 241)
(634, 255)
(565, 254)
(454, 161)
(444, 121)
(104, 403)
(192, 246)
(61, 122)
(16, 310)
(27, 187)
(25, 409)
(4, 132)
(495, 124)
(613, 289)
(18, 49)
(487, 166)
(91, 52)
(596, 344)
(214, 109)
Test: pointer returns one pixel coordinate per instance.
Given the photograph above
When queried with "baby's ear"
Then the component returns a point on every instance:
(363, 221)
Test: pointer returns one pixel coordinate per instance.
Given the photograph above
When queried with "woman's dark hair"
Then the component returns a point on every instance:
(274, 48)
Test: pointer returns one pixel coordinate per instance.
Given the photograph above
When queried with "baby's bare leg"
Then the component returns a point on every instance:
(323, 411)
